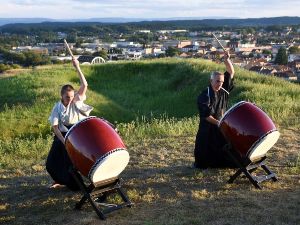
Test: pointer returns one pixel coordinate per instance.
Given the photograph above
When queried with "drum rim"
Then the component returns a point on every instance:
(76, 124)
(250, 151)
(231, 109)
(101, 158)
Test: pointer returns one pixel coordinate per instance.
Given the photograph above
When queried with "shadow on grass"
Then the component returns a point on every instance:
(128, 90)
(169, 195)
(149, 89)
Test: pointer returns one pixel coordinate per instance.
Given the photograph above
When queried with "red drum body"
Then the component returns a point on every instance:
(249, 130)
(96, 150)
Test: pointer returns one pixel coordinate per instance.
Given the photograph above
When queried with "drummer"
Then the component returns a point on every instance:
(69, 110)
(212, 103)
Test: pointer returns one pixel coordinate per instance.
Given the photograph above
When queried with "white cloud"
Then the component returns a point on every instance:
(148, 8)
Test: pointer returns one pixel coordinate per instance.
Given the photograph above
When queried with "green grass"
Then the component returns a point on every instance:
(153, 103)
(146, 99)
(131, 91)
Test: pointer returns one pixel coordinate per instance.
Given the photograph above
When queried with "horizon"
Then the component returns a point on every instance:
(148, 18)
(119, 20)
(92, 9)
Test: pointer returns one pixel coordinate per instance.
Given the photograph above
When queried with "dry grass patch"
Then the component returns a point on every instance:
(165, 190)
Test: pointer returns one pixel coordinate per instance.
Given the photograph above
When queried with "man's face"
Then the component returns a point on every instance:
(217, 82)
(67, 97)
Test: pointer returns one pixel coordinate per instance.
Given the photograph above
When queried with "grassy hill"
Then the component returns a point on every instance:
(125, 92)
(153, 104)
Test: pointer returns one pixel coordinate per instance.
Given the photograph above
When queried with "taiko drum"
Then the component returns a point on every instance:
(249, 130)
(96, 149)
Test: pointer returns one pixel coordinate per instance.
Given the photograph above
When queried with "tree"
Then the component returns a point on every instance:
(172, 51)
(71, 38)
(4, 67)
(294, 50)
(281, 57)
(78, 42)
(162, 55)
(266, 52)
(102, 53)
(251, 55)
(12, 57)
(115, 51)
(250, 30)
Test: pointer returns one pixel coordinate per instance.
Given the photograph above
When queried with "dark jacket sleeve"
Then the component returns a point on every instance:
(203, 102)
(228, 82)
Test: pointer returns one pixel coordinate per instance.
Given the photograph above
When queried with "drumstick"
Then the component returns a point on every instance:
(219, 42)
(69, 50)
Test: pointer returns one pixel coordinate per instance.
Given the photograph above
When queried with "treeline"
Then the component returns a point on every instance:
(32, 34)
(92, 28)
(4, 67)
(25, 58)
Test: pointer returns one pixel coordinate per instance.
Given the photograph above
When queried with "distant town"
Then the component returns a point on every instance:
(270, 51)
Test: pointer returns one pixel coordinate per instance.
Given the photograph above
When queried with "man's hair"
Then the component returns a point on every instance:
(215, 73)
(66, 88)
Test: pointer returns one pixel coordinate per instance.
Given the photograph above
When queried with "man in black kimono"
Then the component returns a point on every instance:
(212, 104)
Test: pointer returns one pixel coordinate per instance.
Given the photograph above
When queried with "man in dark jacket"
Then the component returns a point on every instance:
(212, 104)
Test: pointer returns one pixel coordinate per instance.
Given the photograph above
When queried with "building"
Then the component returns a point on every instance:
(216, 44)
(125, 44)
(190, 48)
(39, 50)
(295, 65)
(288, 75)
(153, 51)
(293, 57)
(181, 44)
(170, 43)
(144, 31)
(88, 60)
(171, 31)
(268, 71)
(133, 55)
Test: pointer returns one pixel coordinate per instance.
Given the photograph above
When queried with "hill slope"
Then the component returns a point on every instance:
(126, 91)
(154, 104)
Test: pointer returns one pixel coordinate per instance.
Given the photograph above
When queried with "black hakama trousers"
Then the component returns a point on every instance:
(58, 165)
(209, 148)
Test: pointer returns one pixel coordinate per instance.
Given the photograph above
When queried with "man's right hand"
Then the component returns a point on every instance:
(212, 120)
(58, 134)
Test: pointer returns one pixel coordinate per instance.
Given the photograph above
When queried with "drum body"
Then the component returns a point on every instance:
(96, 150)
(249, 130)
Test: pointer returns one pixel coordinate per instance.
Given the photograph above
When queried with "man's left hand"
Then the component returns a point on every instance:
(226, 55)
(75, 62)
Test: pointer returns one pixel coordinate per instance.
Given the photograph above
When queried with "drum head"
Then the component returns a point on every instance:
(109, 166)
(260, 148)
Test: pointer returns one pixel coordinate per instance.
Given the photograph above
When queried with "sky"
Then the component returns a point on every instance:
(84, 9)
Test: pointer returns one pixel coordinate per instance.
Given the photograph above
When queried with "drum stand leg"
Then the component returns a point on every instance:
(249, 167)
(96, 194)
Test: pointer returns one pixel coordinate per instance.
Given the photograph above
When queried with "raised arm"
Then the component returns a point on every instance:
(83, 83)
(228, 64)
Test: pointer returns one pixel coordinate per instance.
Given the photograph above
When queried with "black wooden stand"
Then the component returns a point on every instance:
(96, 193)
(247, 167)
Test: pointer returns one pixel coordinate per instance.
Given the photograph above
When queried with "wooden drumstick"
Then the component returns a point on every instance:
(219, 42)
(69, 50)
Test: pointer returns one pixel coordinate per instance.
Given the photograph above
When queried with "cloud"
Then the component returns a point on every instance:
(148, 8)
(32, 2)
